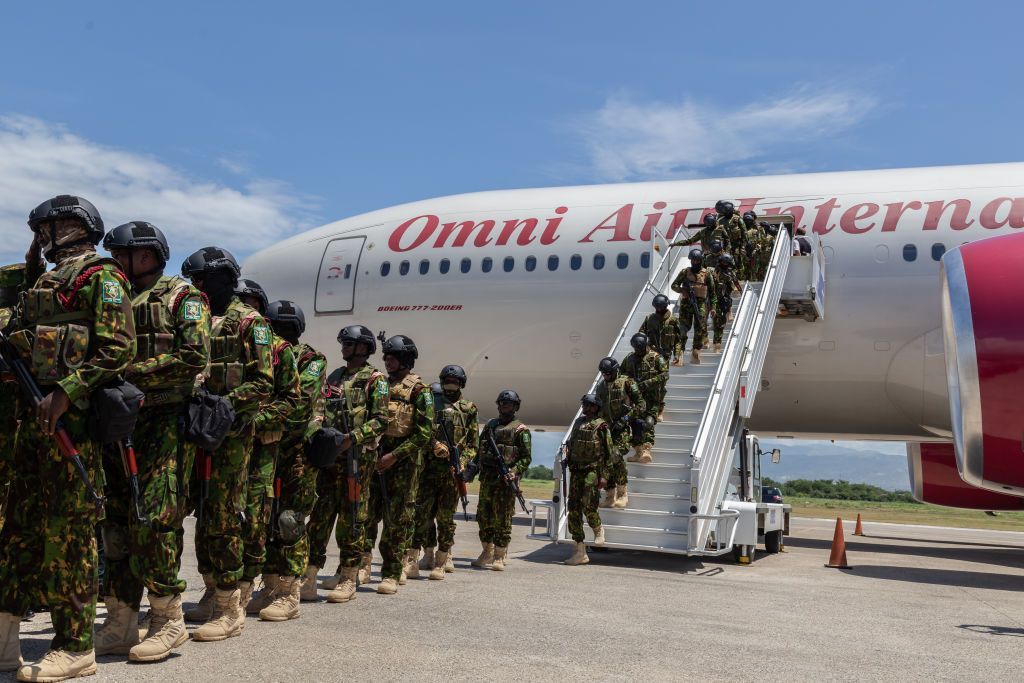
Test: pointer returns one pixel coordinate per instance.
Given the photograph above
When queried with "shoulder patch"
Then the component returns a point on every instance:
(112, 292)
(193, 310)
(429, 397)
(314, 368)
(261, 334)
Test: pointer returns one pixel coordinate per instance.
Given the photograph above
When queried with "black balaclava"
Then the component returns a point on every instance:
(219, 287)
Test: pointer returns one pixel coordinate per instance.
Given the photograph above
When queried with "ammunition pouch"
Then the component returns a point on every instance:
(208, 419)
(324, 449)
(115, 410)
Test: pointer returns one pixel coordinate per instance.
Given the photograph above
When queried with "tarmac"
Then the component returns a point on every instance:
(920, 603)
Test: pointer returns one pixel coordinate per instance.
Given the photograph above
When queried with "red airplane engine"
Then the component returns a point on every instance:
(934, 479)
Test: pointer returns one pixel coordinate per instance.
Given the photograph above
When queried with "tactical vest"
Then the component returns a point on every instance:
(660, 332)
(155, 312)
(402, 406)
(354, 391)
(586, 445)
(55, 337)
(278, 346)
(457, 414)
(616, 400)
(505, 439)
(227, 359)
(698, 281)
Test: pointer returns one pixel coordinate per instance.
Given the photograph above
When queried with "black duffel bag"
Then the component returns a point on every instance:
(208, 419)
(115, 410)
(324, 449)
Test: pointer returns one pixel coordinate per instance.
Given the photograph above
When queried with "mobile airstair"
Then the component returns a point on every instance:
(699, 495)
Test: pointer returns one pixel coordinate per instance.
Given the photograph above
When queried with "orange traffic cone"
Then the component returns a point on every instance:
(858, 530)
(837, 559)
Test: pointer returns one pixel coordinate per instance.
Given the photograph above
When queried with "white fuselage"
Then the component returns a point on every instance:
(872, 368)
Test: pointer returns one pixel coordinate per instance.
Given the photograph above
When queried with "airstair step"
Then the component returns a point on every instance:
(668, 429)
(688, 391)
(656, 502)
(646, 519)
(659, 487)
(641, 538)
(680, 472)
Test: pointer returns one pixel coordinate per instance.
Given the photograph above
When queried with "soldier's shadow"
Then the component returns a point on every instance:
(556, 554)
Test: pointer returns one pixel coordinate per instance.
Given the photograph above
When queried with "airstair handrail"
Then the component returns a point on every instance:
(729, 517)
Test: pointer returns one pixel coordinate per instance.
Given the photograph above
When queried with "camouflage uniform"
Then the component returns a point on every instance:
(703, 284)
(438, 495)
(241, 369)
(75, 332)
(705, 236)
(282, 413)
(751, 255)
(764, 256)
(408, 436)
(651, 375)
(172, 323)
(589, 452)
(287, 554)
(725, 283)
(12, 279)
(621, 405)
(736, 229)
(663, 334)
(363, 397)
(496, 505)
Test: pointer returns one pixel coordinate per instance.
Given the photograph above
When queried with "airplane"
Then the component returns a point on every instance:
(527, 289)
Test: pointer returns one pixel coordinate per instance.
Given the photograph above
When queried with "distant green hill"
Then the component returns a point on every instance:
(838, 490)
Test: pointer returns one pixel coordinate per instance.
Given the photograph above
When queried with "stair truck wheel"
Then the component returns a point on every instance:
(773, 541)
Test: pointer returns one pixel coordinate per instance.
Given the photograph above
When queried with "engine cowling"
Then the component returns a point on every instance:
(983, 331)
(934, 478)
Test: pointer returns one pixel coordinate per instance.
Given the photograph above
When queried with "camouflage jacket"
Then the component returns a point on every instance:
(705, 237)
(702, 282)
(309, 415)
(650, 372)
(283, 411)
(514, 443)
(462, 419)
(663, 333)
(363, 397)
(590, 446)
(410, 428)
(172, 326)
(241, 366)
(735, 229)
(621, 400)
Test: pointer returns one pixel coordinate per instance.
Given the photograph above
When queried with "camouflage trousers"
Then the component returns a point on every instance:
(617, 474)
(721, 318)
(259, 503)
(287, 556)
(219, 543)
(654, 397)
(495, 509)
(332, 504)
(584, 497)
(436, 502)
(699, 323)
(393, 502)
(145, 555)
(48, 543)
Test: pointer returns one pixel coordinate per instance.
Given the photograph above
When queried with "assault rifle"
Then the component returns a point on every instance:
(275, 510)
(131, 470)
(688, 287)
(205, 460)
(509, 480)
(12, 363)
(455, 457)
(353, 484)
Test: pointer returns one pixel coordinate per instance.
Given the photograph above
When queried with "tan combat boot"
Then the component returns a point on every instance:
(661, 414)
(621, 498)
(308, 592)
(449, 565)
(644, 456)
(119, 632)
(59, 665)
(427, 561)
(412, 566)
(499, 559)
(264, 597)
(599, 536)
(579, 556)
(346, 590)
(486, 557)
(437, 571)
(718, 347)
(228, 619)
(245, 595)
(364, 568)
(331, 583)
(166, 630)
(609, 498)
(204, 610)
(286, 601)
(10, 645)
(387, 586)
(695, 356)
(635, 457)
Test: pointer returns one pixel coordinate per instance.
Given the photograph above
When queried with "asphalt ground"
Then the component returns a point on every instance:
(919, 603)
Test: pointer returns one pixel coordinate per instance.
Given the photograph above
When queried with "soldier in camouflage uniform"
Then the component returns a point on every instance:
(731, 222)
(752, 255)
(241, 370)
(406, 441)
(172, 324)
(357, 399)
(725, 284)
(650, 371)
(712, 230)
(589, 452)
(695, 313)
(12, 280)
(663, 330)
(75, 333)
(438, 492)
(765, 255)
(288, 546)
(497, 501)
(624, 409)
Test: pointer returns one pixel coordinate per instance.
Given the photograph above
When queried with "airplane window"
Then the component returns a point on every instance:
(444, 265)
(552, 263)
(938, 249)
(531, 263)
(909, 253)
(465, 265)
(403, 268)
(622, 261)
(486, 264)
(576, 261)
(385, 268)
(509, 264)
(424, 267)
(598, 261)
(645, 259)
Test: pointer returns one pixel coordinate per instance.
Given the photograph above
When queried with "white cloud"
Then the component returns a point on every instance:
(39, 160)
(627, 140)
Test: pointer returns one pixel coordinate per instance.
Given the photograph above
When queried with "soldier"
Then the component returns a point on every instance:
(624, 409)
(663, 330)
(589, 452)
(75, 333)
(241, 370)
(406, 439)
(730, 221)
(650, 371)
(357, 399)
(755, 242)
(725, 284)
(711, 231)
(274, 419)
(497, 499)
(765, 255)
(172, 324)
(12, 280)
(696, 288)
(288, 544)
(711, 257)
(438, 492)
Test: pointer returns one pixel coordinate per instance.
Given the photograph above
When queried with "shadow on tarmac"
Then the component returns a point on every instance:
(1006, 557)
(625, 559)
(940, 577)
(993, 630)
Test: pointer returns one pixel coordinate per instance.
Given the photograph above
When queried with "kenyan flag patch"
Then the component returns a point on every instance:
(112, 293)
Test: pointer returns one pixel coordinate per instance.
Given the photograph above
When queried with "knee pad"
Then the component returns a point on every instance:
(290, 526)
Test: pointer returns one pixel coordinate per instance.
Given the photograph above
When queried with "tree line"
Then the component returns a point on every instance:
(838, 490)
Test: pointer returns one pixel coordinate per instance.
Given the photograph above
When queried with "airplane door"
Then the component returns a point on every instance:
(336, 282)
